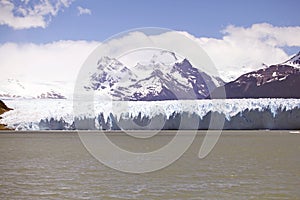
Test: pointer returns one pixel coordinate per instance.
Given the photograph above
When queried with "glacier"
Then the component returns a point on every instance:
(65, 114)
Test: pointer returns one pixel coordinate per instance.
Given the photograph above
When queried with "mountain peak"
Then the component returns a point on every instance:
(164, 57)
(106, 62)
(156, 76)
(294, 61)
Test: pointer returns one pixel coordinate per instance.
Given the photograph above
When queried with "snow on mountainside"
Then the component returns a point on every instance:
(12, 88)
(294, 61)
(163, 77)
(108, 73)
(275, 81)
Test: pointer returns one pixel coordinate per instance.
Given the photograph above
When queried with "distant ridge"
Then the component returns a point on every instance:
(275, 81)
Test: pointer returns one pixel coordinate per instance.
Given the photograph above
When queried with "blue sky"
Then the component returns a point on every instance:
(199, 18)
(39, 38)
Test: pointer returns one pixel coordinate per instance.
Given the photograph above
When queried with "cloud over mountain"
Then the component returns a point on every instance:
(55, 61)
(244, 49)
(239, 51)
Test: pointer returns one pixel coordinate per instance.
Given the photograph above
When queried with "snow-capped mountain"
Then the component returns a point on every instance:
(12, 88)
(163, 77)
(275, 81)
(108, 73)
(294, 61)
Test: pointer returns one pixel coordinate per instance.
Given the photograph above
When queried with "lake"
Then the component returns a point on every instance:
(243, 165)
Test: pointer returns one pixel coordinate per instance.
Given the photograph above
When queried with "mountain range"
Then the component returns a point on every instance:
(164, 77)
(167, 77)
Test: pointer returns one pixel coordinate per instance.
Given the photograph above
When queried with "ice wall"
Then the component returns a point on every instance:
(237, 113)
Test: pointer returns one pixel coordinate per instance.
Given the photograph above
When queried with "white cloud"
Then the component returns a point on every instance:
(57, 61)
(245, 49)
(171, 41)
(240, 50)
(24, 15)
(83, 11)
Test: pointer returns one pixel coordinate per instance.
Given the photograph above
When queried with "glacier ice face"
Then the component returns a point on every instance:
(28, 113)
(45, 114)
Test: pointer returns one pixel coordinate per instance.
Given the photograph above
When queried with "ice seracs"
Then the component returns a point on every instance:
(238, 114)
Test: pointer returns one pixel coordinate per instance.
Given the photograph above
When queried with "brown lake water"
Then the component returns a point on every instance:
(243, 165)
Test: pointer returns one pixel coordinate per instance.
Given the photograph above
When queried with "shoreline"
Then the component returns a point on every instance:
(159, 132)
(3, 109)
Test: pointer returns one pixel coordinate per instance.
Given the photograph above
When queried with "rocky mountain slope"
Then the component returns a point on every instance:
(3, 109)
(275, 81)
(164, 77)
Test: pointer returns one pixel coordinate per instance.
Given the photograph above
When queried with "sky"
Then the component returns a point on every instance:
(52, 38)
